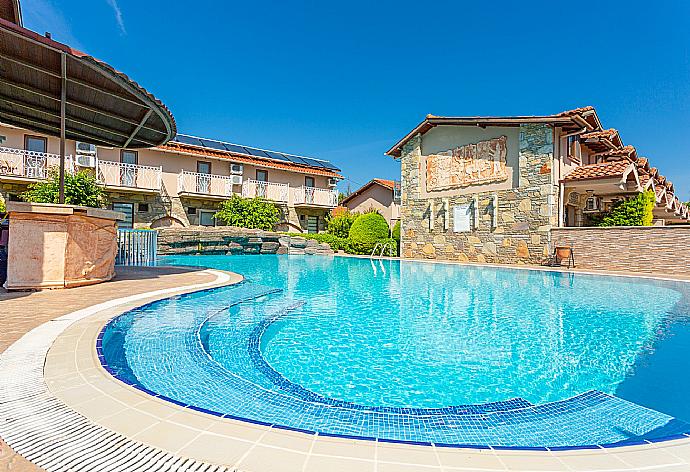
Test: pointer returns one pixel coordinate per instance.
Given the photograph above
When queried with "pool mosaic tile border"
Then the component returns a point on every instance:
(509, 416)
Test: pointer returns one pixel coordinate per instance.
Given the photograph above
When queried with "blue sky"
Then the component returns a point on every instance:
(344, 81)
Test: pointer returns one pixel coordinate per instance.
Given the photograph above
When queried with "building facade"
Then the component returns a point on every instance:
(490, 189)
(180, 183)
(380, 195)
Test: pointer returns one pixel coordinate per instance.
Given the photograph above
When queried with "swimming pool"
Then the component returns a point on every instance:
(420, 352)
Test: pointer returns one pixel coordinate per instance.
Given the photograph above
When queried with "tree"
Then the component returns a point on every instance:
(252, 213)
(81, 189)
(339, 221)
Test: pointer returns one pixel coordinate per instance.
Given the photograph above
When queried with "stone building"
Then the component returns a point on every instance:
(490, 189)
(180, 183)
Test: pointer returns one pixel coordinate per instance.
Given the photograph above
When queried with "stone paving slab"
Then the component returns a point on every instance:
(20, 312)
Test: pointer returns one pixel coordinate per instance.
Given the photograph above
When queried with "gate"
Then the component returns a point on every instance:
(136, 247)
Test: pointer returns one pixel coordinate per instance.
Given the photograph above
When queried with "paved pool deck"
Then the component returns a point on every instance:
(57, 331)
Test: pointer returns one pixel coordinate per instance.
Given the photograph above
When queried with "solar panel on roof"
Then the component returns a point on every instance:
(313, 162)
(295, 159)
(257, 152)
(180, 138)
(276, 155)
(235, 148)
(223, 146)
(212, 144)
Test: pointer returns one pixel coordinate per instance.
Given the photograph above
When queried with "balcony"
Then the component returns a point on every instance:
(128, 176)
(206, 185)
(21, 165)
(312, 196)
(279, 193)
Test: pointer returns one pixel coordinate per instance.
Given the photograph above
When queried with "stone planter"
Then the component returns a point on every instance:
(60, 246)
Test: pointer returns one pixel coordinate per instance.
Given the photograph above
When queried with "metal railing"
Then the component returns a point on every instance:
(136, 247)
(315, 196)
(119, 174)
(204, 184)
(30, 164)
(268, 190)
(381, 248)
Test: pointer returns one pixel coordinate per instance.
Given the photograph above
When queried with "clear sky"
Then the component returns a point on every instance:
(344, 81)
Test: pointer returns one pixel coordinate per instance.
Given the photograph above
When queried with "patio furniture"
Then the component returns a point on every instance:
(560, 254)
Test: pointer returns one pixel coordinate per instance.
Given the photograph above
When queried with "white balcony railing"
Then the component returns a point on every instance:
(119, 174)
(204, 184)
(30, 164)
(268, 190)
(315, 196)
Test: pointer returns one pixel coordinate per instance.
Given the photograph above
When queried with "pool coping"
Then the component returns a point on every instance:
(278, 446)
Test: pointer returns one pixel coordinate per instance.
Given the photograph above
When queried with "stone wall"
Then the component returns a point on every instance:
(525, 212)
(650, 249)
(229, 240)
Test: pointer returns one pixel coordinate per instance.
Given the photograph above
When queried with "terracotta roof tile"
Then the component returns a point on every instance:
(598, 171)
(605, 133)
(625, 151)
(236, 157)
(386, 183)
(575, 111)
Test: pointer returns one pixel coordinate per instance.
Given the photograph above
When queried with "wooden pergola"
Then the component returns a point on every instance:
(50, 88)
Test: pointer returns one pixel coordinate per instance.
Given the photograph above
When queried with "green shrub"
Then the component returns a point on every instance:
(81, 189)
(336, 243)
(339, 222)
(396, 231)
(3, 207)
(252, 213)
(366, 231)
(636, 211)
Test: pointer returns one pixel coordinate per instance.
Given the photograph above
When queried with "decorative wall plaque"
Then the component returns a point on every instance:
(471, 164)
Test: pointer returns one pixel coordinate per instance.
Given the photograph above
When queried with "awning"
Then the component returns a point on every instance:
(102, 106)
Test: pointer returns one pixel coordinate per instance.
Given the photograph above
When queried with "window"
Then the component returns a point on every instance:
(128, 174)
(143, 208)
(206, 218)
(203, 167)
(574, 151)
(309, 181)
(262, 175)
(129, 157)
(191, 210)
(312, 224)
(203, 179)
(35, 143)
(128, 210)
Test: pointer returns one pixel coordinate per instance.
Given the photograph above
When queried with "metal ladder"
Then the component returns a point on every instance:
(381, 247)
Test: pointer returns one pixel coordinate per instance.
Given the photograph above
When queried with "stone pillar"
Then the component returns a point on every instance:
(409, 186)
(60, 246)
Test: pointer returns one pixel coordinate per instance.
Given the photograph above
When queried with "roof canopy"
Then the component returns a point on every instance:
(103, 106)
(11, 11)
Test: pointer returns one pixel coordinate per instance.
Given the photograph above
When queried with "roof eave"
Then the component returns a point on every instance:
(482, 121)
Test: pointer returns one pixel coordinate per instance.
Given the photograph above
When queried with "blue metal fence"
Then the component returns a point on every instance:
(136, 247)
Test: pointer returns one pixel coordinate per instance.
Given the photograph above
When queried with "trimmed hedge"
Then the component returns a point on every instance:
(366, 231)
(396, 231)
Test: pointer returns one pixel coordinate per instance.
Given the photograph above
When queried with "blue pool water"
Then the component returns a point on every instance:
(417, 351)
